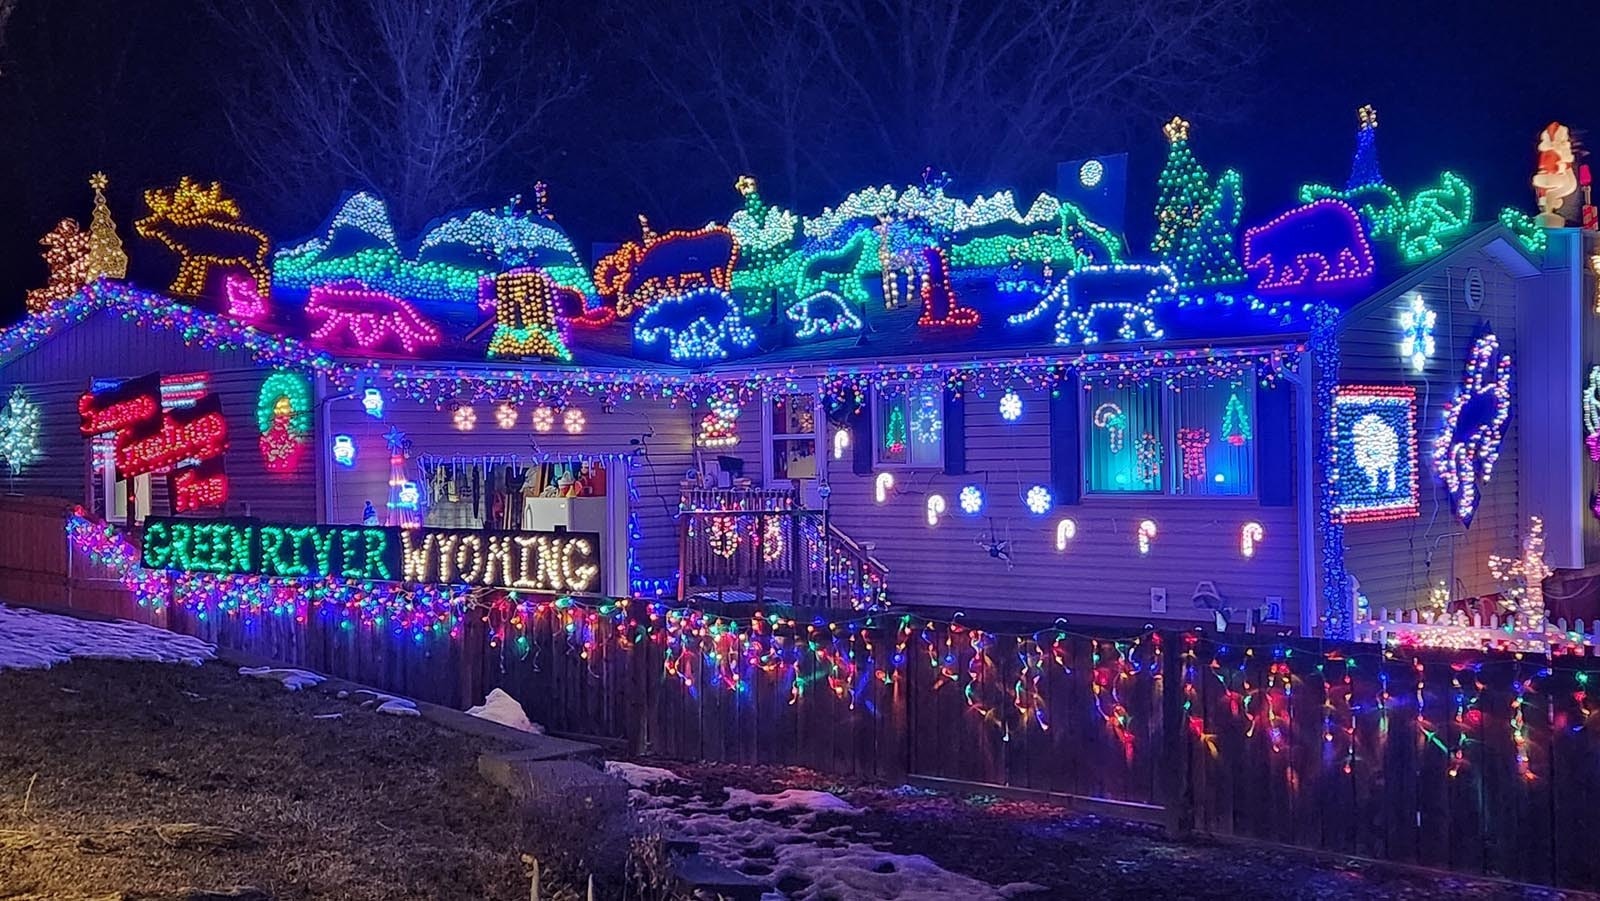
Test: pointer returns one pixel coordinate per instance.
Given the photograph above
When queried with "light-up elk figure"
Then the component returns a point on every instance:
(1531, 570)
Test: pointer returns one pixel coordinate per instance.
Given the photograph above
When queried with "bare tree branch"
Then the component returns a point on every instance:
(422, 101)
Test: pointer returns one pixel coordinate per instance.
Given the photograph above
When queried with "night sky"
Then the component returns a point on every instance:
(135, 88)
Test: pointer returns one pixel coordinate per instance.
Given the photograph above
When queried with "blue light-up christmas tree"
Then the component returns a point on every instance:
(1364, 167)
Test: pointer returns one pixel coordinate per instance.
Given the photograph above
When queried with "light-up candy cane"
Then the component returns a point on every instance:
(1110, 417)
(841, 440)
(935, 508)
(1249, 535)
(884, 482)
(1066, 530)
(1147, 533)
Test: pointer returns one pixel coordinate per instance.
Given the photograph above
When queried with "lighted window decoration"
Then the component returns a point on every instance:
(936, 507)
(344, 450)
(881, 486)
(1010, 406)
(1066, 530)
(526, 304)
(543, 419)
(676, 264)
(697, 327)
(66, 253)
(971, 499)
(1109, 416)
(283, 418)
(1145, 535)
(1373, 452)
(572, 419)
(19, 432)
(910, 425)
(823, 315)
(181, 214)
(464, 418)
(349, 316)
(1416, 331)
(1319, 244)
(1192, 443)
(505, 415)
(1147, 460)
(1039, 500)
(372, 402)
(1250, 535)
(107, 259)
(719, 427)
(1235, 422)
(1467, 447)
(245, 302)
(1123, 296)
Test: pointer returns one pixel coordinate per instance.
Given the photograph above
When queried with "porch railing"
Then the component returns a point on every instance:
(760, 546)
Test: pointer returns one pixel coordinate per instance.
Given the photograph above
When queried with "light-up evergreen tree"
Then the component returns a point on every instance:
(1364, 166)
(107, 259)
(1196, 220)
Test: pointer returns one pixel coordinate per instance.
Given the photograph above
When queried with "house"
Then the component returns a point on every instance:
(910, 397)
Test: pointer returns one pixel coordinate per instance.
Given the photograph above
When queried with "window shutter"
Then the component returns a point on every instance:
(1275, 444)
(861, 438)
(955, 433)
(1066, 463)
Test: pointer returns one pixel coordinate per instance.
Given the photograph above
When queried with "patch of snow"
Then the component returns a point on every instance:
(292, 679)
(797, 799)
(394, 705)
(33, 640)
(638, 775)
(502, 708)
(777, 837)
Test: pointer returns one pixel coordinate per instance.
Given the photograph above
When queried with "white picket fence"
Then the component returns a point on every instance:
(1460, 630)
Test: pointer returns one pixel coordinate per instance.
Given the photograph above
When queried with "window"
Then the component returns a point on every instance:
(1181, 440)
(1126, 446)
(793, 423)
(908, 426)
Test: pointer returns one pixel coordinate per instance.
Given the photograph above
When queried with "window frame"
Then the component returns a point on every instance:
(911, 387)
(1171, 463)
(818, 434)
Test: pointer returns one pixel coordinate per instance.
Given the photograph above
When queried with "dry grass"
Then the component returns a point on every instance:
(141, 781)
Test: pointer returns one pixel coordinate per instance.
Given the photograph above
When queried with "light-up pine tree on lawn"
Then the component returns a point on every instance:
(1196, 220)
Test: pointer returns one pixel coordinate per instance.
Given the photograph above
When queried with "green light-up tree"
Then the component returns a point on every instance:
(1196, 219)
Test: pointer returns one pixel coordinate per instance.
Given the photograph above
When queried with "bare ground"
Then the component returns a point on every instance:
(351, 806)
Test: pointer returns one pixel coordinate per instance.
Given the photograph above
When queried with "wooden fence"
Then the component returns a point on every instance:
(1480, 762)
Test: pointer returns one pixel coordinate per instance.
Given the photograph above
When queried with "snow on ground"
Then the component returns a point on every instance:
(292, 679)
(638, 775)
(33, 640)
(394, 705)
(502, 708)
(781, 838)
